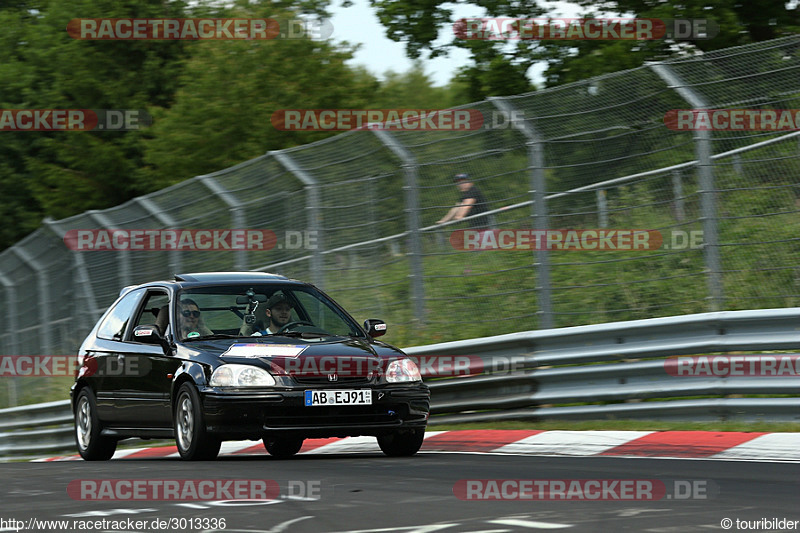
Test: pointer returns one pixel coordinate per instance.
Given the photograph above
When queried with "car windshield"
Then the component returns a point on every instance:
(243, 310)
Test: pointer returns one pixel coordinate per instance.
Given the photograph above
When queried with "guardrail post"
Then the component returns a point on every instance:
(41, 304)
(535, 145)
(81, 280)
(707, 189)
(313, 212)
(412, 221)
(237, 215)
(13, 328)
(168, 222)
(123, 255)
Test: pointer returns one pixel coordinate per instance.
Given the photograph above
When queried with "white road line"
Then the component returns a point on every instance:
(529, 523)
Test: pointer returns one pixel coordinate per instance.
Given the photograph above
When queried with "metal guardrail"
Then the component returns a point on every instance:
(604, 371)
(31, 430)
(617, 370)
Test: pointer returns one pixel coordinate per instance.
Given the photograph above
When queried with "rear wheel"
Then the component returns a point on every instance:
(194, 443)
(91, 444)
(402, 444)
(282, 447)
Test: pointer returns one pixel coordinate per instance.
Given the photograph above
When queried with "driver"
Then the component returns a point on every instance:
(279, 313)
(191, 323)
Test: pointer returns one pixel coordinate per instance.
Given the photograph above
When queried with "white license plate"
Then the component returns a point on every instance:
(338, 397)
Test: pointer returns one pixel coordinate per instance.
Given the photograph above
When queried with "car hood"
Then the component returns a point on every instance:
(341, 355)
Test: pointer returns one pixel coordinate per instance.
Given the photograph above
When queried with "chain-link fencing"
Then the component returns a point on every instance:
(357, 215)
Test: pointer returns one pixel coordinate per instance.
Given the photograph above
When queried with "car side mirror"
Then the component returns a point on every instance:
(375, 327)
(151, 335)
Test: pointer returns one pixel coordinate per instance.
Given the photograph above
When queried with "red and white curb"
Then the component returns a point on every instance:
(741, 446)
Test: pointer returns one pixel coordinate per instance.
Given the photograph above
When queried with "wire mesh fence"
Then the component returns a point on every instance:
(357, 214)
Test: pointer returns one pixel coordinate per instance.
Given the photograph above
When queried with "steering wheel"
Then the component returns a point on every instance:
(290, 324)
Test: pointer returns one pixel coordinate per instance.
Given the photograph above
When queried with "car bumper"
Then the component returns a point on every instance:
(284, 413)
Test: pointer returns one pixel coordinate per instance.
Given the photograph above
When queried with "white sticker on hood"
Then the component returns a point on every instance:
(265, 350)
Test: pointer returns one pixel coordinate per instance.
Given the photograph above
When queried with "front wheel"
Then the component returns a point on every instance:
(91, 445)
(402, 444)
(282, 448)
(194, 443)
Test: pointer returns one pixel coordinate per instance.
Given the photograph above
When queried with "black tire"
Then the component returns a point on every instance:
(194, 443)
(91, 444)
(283, 447)
(402, 443)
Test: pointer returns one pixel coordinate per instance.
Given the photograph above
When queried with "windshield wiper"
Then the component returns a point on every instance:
(301, 334)
(213, 336)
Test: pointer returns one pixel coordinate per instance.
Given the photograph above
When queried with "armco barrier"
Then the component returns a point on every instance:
(32, 430)
(604, 371)
(617, 370)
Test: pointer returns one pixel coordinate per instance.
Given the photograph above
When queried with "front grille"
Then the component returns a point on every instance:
(323, 380)
(335, 415)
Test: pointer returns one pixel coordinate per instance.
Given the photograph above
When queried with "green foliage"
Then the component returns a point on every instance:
(211, 102)
(499, 67)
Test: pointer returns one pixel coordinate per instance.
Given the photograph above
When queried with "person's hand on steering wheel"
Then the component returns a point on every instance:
(291, 324)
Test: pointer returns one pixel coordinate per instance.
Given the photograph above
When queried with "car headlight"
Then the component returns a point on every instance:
(402, 370)
(241, 376)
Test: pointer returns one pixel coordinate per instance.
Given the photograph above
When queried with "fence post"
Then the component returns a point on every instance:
(412, 221)
(13, 328)
(123, 255)
(707, 188)
(168, 222)
(42, 305)
(313, 212)
(81, 280)
(535, 145)
(677, 193)
(602, 207)
(237, 215)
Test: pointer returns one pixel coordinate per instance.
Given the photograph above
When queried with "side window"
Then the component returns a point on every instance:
(154, 302)
(113, 325)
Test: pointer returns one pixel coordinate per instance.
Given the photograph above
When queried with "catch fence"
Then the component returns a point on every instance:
(356, 214)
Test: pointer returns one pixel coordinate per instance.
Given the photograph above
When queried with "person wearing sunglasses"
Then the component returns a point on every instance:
(191, 320)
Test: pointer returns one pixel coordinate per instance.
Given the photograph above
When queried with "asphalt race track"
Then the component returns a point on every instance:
(369, 492)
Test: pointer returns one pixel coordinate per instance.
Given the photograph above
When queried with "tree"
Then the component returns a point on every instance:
(497, 65)
(412, 90)
(229, 92)
(59, 174)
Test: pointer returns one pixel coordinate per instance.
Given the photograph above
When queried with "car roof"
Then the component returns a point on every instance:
(216, 278)
(227, 277)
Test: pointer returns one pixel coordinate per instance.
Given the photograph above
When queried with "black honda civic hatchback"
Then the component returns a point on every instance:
(220, 356)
